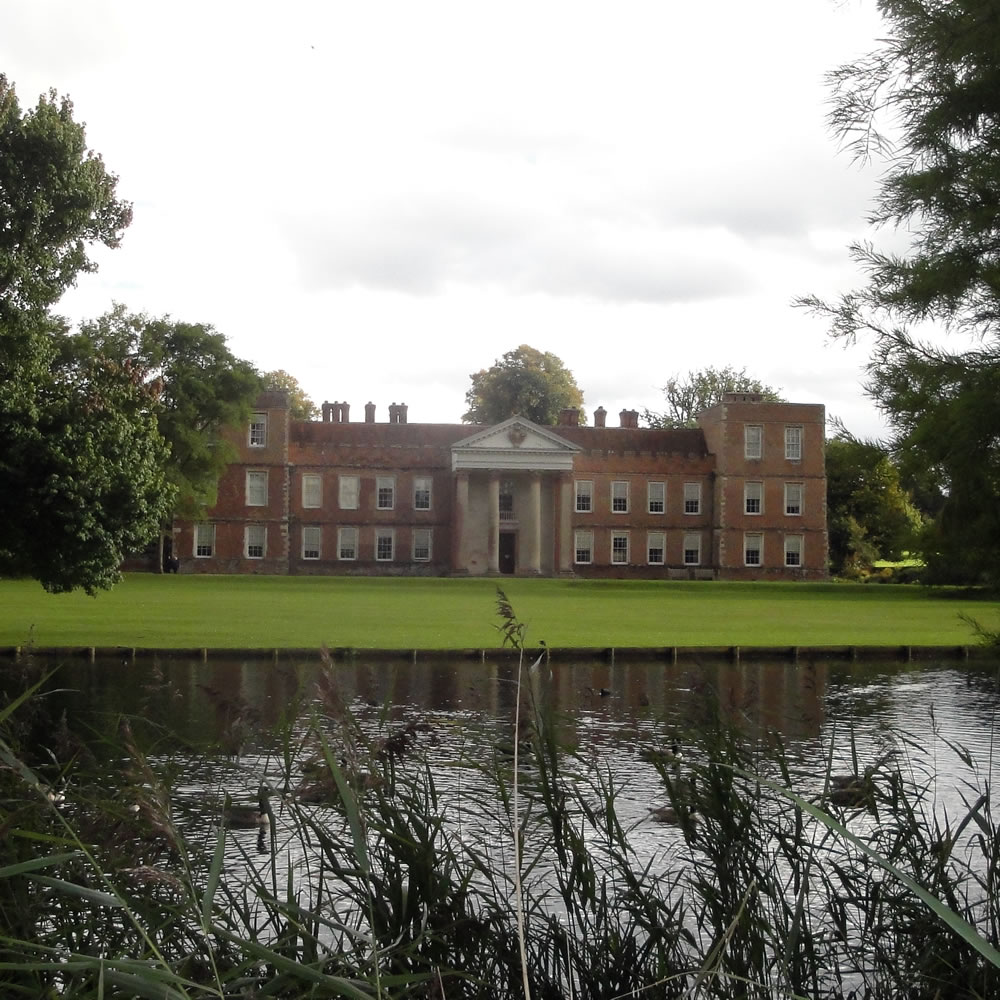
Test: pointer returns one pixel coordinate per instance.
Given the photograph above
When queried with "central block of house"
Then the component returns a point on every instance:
(742, 496)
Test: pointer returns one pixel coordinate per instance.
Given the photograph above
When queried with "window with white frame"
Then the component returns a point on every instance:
(385, 544)
(422, 493)
(656, 494)
(254, 541)
(753, 546)
(506, 500)
(793, 550)
(350, 488)
(312, 490)
(692, 549)
(584, 497)
(385, 492)
(619, 548)
(692, 498)
(753, 498)
(793, 498)
(204, 540)
(421, 544)
(753, 440)
(312, 536)
(583, 543)
(655, 548)
(256, 488)
(347, 543)
(258, 430)
(793, 443)
(619, 497)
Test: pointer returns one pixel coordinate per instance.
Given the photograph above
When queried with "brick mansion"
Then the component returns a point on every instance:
(742, 496)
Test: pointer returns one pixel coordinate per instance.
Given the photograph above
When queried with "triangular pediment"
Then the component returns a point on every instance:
(516, 443)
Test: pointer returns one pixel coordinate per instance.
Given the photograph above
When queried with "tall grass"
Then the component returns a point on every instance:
(371, 883)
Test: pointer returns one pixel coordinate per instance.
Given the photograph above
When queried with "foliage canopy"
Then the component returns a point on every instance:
(301, 406)
(687, 395)
(928, 102)
(81, 462)
(525, 382)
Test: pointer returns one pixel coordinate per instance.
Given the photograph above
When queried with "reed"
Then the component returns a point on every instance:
(377, 885)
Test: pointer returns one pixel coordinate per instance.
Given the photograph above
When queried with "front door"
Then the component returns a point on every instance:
(507, 539)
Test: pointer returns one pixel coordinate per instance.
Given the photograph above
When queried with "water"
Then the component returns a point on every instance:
(228, 717)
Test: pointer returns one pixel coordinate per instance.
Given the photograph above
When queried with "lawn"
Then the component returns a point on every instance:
(306, 612)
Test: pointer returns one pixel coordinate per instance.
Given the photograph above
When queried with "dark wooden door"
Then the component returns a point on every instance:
(507, 540)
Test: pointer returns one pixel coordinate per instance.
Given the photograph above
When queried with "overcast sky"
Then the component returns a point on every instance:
(383, 197)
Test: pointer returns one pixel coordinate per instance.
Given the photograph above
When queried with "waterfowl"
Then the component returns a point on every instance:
(243, 816)
(668, 814)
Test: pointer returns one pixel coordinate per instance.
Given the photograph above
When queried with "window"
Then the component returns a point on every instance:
(752, 546)
(692, 498)
(793, 498)
(256, 489)
(583, 542)
(385, 492)
(753, 440)
(349, 489)
(258, 430)
(655, 548)
(254, 541)
(619, 548)
(584, 497)
(312, 490)
(421, 544)
(657, 497)
(422, 493)
(793, 444)
(506, 501)
(204, 540)
(793, 550)
(385, 544)
(692, 550)
(619, 498)
(347, 543)
(753, 498)
(311, 536)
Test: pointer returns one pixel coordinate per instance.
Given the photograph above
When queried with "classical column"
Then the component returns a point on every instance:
(564, 522)
(459, 549)
(535, 516)
(493, 540)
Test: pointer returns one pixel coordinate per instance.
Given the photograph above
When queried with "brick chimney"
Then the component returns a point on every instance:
(397, 413)
(369, 412)
(336, 413)
(628, 418)
(600, 415)
(569, 416)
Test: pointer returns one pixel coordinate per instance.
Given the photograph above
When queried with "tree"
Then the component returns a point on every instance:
(869, 514)
(689, 394)
(301, 407)
(203, 389)
(524, 382)
(933, 86)
(81, 476)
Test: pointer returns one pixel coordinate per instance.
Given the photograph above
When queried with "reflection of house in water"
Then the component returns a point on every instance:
(742, 496)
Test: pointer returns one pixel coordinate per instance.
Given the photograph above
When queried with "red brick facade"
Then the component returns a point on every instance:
(741, 497)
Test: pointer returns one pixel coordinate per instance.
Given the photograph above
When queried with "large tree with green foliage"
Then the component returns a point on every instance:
(81, 470)
(869, 514)
(201, 386)
(525, 382)
(687, 395)
(300, 405)
(928, 101)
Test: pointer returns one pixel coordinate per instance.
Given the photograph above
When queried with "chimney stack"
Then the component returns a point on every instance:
(569, 416)
(600, 415)
(369, 412)
(628, 418)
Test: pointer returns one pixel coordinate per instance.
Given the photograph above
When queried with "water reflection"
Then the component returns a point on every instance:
(235, 716)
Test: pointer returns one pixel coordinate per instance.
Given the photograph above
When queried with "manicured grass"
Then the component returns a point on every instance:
(305, 612)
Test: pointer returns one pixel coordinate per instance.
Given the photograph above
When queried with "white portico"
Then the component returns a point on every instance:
(513, 501)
